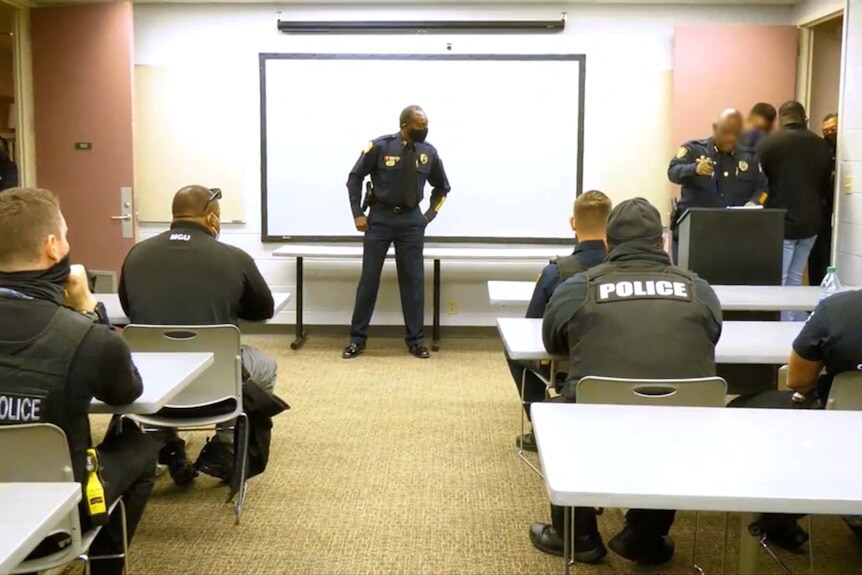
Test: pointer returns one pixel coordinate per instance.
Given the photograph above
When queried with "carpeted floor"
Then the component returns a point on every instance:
(389, 464)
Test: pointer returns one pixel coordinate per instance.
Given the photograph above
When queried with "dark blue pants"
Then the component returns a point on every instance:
(407, 231)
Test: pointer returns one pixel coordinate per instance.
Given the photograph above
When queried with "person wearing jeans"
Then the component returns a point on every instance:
(793, 264)
(798, 164)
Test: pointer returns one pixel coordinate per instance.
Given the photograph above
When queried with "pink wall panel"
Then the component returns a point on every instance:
(82, 84)
(718, 67)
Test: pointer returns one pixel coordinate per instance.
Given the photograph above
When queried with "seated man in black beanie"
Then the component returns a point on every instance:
(635, 316)
(58, 352)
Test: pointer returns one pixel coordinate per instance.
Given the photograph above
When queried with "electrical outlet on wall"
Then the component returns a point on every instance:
(452, 307)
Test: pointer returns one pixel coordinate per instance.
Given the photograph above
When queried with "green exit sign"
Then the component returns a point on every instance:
(84, 146)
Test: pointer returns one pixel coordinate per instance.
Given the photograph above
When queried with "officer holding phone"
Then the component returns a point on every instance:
(715, 172)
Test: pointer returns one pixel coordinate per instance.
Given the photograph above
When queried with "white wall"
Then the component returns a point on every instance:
(627, 107)
(809, 11)
(849, 242)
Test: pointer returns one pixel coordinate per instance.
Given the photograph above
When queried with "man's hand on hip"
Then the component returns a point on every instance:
(361, 223)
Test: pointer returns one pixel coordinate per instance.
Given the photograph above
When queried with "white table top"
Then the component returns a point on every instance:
(701, 458)
(732, 298)
(118, 316)
(31, 512)
(755, 342)
(164, 376)
(488, 253)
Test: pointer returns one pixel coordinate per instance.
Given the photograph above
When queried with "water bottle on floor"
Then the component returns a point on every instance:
(830, 284)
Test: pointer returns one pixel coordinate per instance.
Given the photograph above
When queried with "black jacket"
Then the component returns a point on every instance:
(187, 277)
(798, 164)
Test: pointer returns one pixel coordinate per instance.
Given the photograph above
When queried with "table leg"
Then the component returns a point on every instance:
(749, 547)
(300, 326)
(435, 334)
(567, 540)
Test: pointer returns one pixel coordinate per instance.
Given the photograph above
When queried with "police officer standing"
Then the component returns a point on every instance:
(716, 172)
(634, 316)
(399, 165)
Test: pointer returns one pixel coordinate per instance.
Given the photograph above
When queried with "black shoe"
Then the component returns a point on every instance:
(529, 442)
(419, 351)
(654, 550)
(588, 548)
(789, 537)
(173, 454)
(216, 459)
(353, 350)
(854, 522)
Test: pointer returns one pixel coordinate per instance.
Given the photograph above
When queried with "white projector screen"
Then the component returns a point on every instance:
(509, 130)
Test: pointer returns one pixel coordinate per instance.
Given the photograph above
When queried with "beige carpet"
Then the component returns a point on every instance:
(389, 464)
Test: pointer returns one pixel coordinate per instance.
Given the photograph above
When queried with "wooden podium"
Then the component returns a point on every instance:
(736, 247)
(732, 246)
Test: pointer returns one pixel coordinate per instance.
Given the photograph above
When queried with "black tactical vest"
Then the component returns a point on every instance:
(569, 266)
(640, 319)
(33, 378)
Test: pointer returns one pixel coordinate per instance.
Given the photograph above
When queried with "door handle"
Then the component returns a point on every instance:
(123, 218)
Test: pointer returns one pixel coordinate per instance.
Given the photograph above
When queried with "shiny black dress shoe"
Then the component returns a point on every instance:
(588, 548)
(419, 351)
(353, 350)
(652, 551)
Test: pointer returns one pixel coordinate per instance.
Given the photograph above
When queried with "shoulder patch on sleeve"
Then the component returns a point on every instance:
(368, 147)
(681, 153)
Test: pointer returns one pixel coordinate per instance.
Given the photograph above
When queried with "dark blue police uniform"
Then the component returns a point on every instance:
(399, 171)
(737, 180)
(588, 254)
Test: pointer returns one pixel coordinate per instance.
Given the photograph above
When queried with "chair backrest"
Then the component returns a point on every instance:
(39, 453)
(846, 392)
(34, 452)
(221, 381)
(702, 392)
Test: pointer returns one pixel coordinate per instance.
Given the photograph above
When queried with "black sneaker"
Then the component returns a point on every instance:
(216, 459)
(645, 551)
(173, 454)
(790, 537)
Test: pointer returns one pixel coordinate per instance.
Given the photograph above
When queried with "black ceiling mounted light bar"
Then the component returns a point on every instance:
(423, 26)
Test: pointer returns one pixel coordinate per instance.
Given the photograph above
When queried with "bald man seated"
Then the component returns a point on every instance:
(185, 276)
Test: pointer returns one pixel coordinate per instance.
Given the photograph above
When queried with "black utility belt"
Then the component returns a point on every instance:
(402, 209)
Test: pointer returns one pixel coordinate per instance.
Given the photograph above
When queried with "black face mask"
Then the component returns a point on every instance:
(49, 284)
(418, 135)
(832, 140)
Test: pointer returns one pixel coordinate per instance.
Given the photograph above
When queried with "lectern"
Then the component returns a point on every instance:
(732, 246)
(743, 246)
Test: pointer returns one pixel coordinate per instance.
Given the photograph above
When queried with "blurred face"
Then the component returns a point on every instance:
(830, 127)
(758, 123)
(726, 133)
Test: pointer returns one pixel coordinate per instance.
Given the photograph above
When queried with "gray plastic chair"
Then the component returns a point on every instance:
(218, 386)
(39, 452)
(846, 392)
(700, 392)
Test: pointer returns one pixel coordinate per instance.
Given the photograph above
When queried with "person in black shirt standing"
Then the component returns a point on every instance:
(185, 276)
(818, 261)
(399, 165)
(58, 352)
(798, 164)
(589, 221)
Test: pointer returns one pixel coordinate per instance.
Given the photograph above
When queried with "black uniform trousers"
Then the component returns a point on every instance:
(407, 231)
(647, 524)
(128, 461)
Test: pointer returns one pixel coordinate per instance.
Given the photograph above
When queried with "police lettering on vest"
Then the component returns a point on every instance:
(642, 289)
(20, 408)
